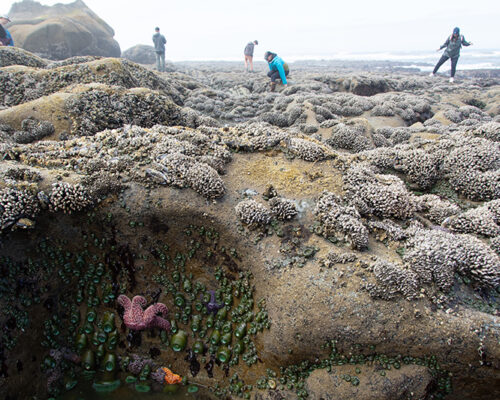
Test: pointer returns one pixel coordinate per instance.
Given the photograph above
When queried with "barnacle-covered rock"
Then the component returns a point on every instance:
(205, 180)
(99, 108)
(10, 55)
(478, 220)
(101, 184)
(382, 195)
(333, 257)
(69, 198)
(393, 280)
(277, 119)
(325, 113)
(334, 217)
(382, 159)
(251, 212)
(350, 137)
(184, 171)
(380, 140)
(396, 135)
(194, 119)
(495, 244)
(23, 174)
(435, 208)
(494, 207)
(15, 205)
(307, 150)
(283, 209)
(391, 229)
(309, 128)
(436, 255)
(33, 130)
(472, 167)
(466, 113)
(410, 107)
(488, 130)
(476, 185)
(22, 85)
(420, 167)
(475, 154)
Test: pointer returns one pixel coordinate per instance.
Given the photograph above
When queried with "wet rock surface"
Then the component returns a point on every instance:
(364, 205)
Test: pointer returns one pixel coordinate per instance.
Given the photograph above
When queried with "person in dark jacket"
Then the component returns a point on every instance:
(453, 45)
(248, 52)
(277, 69)
(4, 41)
(7, 39)
(159, 42)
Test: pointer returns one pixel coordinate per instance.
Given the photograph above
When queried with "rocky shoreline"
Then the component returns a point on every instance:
(357, 210)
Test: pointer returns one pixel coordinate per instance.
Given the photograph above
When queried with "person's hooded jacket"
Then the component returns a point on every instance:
(453, 44)
(277, 64)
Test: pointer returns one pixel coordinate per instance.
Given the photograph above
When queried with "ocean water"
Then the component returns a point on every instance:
(470, 59)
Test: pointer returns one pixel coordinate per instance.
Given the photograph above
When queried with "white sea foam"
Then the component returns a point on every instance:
(470, 58)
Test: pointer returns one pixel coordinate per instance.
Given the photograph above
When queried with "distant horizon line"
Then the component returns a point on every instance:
(390, 56)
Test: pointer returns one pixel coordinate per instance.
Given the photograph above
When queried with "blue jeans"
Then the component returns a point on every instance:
(160, 61)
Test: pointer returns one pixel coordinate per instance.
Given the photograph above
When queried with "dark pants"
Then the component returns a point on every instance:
(160, 61)
(442, 60)
(275, 75)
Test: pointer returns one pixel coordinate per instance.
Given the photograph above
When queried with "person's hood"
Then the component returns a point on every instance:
(269, 53)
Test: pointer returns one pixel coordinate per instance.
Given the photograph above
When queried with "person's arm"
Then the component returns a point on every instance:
(164, 40)
(8, 35)
(281, 71)
(465, 42)
(445, 44)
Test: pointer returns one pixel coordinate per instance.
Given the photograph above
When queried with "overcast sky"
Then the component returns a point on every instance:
(219, 29)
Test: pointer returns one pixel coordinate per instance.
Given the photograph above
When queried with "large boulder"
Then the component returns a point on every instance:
(61, 31)
(140, 54)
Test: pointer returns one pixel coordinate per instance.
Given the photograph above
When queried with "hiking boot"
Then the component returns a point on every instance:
(452, 80)
(273, 86)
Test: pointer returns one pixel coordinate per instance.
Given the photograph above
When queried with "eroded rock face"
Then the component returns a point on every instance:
(61, 31)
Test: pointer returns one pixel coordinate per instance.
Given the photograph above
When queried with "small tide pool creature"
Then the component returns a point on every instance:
(136, 318)
(212, 305)
(170, 377)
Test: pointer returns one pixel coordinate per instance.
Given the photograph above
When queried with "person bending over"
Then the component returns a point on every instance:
(277, 69)
(248, 52)
(453, 45)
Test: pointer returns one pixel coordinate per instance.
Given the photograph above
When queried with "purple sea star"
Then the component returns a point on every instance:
(212, 305)
(137, 319)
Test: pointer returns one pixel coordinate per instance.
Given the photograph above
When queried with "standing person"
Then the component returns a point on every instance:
(7, 41)
(453, 45)
(248, 52)
(277, 69)
(159, 42)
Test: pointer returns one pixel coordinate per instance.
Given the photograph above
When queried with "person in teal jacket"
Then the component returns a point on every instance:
(453, 45)
(277, 69)
(4, 20)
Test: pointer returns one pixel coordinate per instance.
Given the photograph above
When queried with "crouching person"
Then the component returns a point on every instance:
(278, 69)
